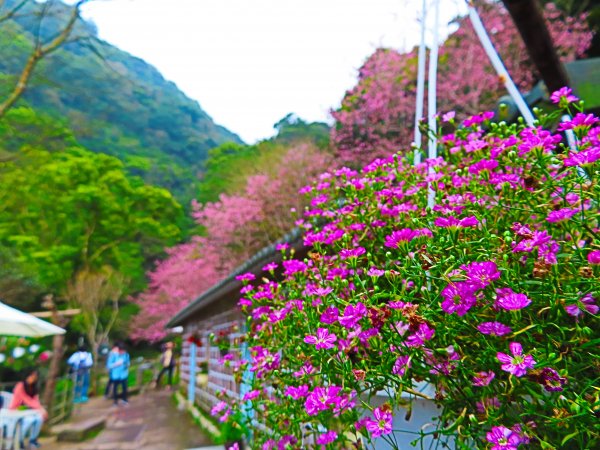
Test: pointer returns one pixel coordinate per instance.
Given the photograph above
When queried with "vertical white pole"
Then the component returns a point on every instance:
(500, 69)
(432, 97)
(420, 85)
(192, 380)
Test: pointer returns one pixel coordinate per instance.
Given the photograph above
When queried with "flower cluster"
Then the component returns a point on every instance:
(490, 298)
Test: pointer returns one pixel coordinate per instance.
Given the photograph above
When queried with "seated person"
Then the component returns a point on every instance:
(25, 395)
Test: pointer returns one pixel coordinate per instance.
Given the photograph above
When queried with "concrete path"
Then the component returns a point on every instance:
(151, 421)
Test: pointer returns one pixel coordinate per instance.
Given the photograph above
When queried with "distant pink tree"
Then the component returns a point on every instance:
(376, 116)
(235, 228)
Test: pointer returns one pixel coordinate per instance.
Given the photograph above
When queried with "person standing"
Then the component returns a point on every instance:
(81, 362)
(26, 394)
(110, 384)
(167, 362)
(118, 366)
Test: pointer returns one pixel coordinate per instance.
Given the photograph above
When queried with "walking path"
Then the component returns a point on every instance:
(151, 421)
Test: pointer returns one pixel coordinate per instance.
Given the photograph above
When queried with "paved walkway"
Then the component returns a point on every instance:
(151, 421)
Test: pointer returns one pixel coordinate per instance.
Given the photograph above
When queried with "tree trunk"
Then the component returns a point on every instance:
(529, 20)
(53, 372)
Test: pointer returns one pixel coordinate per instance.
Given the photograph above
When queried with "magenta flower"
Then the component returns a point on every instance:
(270, 266)
(293, 266)
(321, 399)
(483, 378)
(493, 328)
(563, 96)
(352, 315)
(246, 277)
(330, 315)
(382, 424)
(484, 164)
(518, 363)
(580, 122)
(401, 364)
(593, 257)
(551, 380)
(481, 273)
(375, 272)
(448, 116)
(352, 253)
(537, 138)
(586, 303)
(327, 438)
(503, 438)
(561, 215)
(511, 300)
(423, 333)
(583, 157)
(458, 297)
(251, 395)
(453, 222)
(323, 340)
(405, 235)
(296, 392)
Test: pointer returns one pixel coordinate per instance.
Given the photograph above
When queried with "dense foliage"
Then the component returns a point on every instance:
(64, 211)
(490, 297)
(114, 103)
(376, 117)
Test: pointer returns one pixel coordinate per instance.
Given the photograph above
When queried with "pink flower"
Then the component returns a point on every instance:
(330, 315)
(518, 363)
(561, 215)
(405, 235)
(448, 116)
(493, 328)
(293, 266)
(551, 380)
(246, 277)
(235, 446)
(585, 303)
(251, 395)
(382, 424)
(270, 266)
(400, 366)
(503, 438)
(481, 273)
(327, 438)
(453, 222)
(424, 333)
(458, 297)
(375, 272)
(321, 399)
(563, 96)
(583, 158)
(593, 257)
(352, 315)
(296, 392)
(537, 138)
(580, 122)
(511, 300)
(323, 340)
(483, 378)
(352, 253)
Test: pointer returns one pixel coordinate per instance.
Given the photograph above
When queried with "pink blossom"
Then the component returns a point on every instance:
(246, 277)
(296, 392)
(481, 273)
(458, 297)
(321, 399)
(583, 157)
(483, 378)
(563, 96)
(586, 303)
(551, 380)
(453, 222)
(561, 215)
(405, 235)
(518, 363)
(375, 272)
(580, 122)
(381, 424)
(251, 395)
(494, 328)
(510, 300)
(423, 333)
(593, 257)
(400, 365)
(269, 267)
(503, 438)
(327, 438)
(352, 253)
(323, 340)
(352, 315)
(330, 315)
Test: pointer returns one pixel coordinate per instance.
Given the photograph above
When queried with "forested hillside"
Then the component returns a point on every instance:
(113, 102)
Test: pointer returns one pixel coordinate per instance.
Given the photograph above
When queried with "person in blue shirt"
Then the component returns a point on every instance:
(108, 392)
(118, 366)
(81, 362)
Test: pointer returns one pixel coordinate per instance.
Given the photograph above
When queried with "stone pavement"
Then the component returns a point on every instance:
(151, 421)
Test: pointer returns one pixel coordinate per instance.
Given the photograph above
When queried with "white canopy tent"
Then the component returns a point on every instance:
(17, 323)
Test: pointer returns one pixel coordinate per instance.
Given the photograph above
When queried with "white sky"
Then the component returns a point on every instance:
(250, 62)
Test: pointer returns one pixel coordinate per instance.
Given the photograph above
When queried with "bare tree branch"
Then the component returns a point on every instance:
(39, 52)
(12, 12)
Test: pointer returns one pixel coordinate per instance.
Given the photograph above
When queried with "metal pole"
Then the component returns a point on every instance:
(192, 380)
(499, 66)
(420, 85)
(432, 98)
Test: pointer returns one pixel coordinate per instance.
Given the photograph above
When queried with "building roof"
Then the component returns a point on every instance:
(229, 284)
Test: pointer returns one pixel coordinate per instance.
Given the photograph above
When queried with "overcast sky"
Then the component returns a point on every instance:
(250, 62)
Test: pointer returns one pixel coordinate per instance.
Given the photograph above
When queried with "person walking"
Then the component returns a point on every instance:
(110, 384)
(26, 395)
(167, 362)
(118, 365)
(81, 362)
